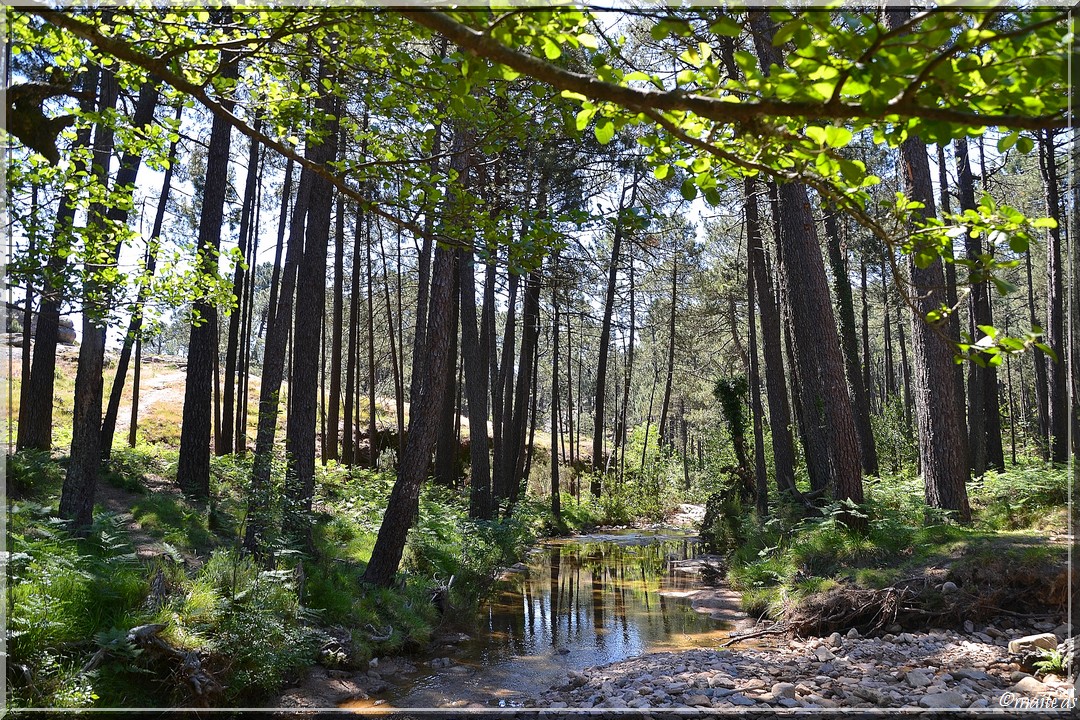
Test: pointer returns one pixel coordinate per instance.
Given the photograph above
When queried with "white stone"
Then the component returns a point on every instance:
(1031, 643)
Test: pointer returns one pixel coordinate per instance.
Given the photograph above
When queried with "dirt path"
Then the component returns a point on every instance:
(166, 388)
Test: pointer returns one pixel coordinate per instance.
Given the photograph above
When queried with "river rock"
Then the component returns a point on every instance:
(823, 654)
(917, 679)
(719, 680)
(783, 690)
(753, 684)
(949, 587)
(971, 674)
(950, 699)
(1029, 686)
(835, 640)
(739, 699)
(698, 701)
(1033, 643)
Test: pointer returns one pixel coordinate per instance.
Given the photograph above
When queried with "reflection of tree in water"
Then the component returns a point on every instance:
(582, 593)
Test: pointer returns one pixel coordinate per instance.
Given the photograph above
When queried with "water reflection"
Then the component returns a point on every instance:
(586, 601)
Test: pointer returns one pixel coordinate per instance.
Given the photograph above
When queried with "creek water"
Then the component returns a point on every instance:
(578, 602)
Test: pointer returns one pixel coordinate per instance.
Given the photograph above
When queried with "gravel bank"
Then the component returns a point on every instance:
(939, 669)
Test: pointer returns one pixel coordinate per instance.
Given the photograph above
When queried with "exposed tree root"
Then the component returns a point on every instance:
(979, 591)
(205, 689)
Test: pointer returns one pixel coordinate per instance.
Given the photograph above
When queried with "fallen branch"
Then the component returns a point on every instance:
(780, 629)
(147, 637)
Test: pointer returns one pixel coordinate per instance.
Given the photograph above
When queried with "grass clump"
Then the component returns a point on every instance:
(785, 560)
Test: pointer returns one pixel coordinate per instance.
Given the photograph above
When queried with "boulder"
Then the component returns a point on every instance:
(950, 699)
(1033, 643)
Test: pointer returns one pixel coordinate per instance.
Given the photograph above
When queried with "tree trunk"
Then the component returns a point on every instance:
(753, 242)
(829, 420)
(423, 419)
(867, 360)
(942, 440)
(35, 426)
(108, 425)
(556, 509)
(953, 323)
(982, 382)
(80, 481)
(503, 403)
(193, 468)
(351, 356)
(307, 331)
(663, 428)
(446, 445)
(278, 331)
(775, 383)
(530, 317)
(244, 380)
(605, 334)
(223, 443)
(1057, 383)
(849, 344)
(620, 438)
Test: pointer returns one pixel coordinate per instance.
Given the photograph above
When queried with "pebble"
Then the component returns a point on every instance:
(941, 669)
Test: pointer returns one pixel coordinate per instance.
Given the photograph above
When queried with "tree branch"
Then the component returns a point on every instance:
(715, 109)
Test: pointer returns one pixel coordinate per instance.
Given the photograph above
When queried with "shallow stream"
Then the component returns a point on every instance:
(574, 603)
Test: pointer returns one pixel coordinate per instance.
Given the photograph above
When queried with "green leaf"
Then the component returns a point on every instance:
(1018, 243)
(837, 136)
(604, 131)
(726, 26)
(587, 40)
(551, 50)
(584, 117)
(688, 189)
(661, 171)
(1007, 141)
(1025, 144)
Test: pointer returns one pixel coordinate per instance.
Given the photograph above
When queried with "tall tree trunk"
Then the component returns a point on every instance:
(605, 333)
(446, 445)
(556, 508)
(352, 355)
(399, 391)
(35, 428)
(330, 441)
(80, 481)
(775, 383)
(849, 344)
(108, 425)
(307, 330)
(278, 331)
(223, 442)
(982, 396)
(373, 428)
(753, 241)
(530, 321)
(867, 360)
(136, 377)
(953, 322)
(423, 420)
(942, 440)
(503, 404)
(621, 438)
(275, 278)
(244, 380)
(193, 468)
(663, 428)
(570, 408)
(1057, 383)
(829, 421)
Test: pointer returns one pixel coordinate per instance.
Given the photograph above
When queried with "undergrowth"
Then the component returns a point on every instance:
(253, 625)
(779, 562)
